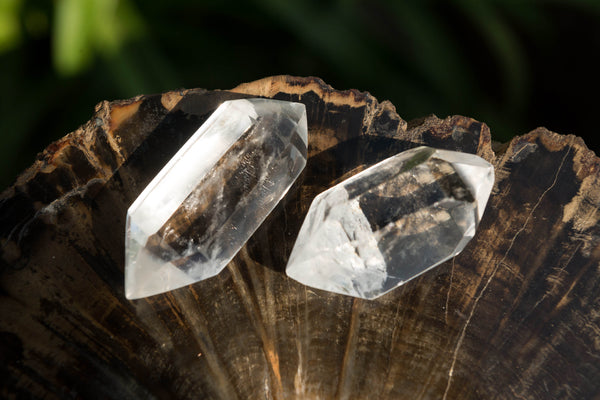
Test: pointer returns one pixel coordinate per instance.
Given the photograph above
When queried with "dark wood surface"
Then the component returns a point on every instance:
(515, 315)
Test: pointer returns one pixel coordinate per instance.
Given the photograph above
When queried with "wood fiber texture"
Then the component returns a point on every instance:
(515, 315)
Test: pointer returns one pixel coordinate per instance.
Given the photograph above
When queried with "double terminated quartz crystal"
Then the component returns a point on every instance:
(391, 222)
(202, 207)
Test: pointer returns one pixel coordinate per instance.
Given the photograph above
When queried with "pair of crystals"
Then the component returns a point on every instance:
(362, 237)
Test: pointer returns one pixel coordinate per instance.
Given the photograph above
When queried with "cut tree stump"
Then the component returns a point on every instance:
(515, 315)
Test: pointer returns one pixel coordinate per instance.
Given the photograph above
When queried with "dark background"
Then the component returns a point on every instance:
(513, 64)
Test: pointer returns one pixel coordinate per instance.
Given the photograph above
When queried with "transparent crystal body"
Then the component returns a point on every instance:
(391, 222)
(203, 206)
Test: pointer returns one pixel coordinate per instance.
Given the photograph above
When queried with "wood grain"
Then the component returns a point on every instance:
(515, 315)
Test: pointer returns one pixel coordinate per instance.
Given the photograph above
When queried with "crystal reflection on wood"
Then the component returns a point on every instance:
(202, 207)
(391, 222)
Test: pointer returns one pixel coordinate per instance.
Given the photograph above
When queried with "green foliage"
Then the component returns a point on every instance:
(85, 28)
(10, 34)
(484, 58)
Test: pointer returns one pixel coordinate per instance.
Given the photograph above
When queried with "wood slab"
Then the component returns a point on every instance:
(515, 315)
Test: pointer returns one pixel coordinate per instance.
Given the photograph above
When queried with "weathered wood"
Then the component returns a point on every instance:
(516, 315)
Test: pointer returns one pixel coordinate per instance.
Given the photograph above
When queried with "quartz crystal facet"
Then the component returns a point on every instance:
(391, 222)
(202, 207)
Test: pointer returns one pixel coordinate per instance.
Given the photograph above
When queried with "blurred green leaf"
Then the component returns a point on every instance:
(115, 23)
(86, 28)
(72, 39)
(10, 29)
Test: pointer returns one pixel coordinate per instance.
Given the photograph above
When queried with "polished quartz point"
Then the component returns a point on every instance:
(203, 206)
(391, 222)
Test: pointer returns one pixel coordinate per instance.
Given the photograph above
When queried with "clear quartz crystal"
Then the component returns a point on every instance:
(391, 222)
(203, 206)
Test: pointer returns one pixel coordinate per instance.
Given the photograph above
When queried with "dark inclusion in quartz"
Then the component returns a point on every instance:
(204, 205)
(391, 222)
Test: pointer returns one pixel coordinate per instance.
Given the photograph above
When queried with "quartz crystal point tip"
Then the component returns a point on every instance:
(203, 206)
(391, 222)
